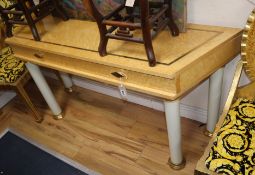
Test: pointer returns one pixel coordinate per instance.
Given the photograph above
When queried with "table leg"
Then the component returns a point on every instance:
(44, 89)
(67, 81)
(215, 89)
(173, 120)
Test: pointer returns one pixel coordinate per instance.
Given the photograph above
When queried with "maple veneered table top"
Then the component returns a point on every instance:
(183, 61)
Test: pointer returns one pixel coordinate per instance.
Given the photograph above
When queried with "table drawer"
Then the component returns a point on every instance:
(142, 82)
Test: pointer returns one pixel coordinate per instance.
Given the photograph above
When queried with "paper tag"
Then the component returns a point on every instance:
(123, 92)
(130, 3)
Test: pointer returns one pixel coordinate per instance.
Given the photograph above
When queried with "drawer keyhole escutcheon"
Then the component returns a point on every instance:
(39, 55)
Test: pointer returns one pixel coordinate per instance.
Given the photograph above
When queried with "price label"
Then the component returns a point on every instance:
(130, 3)
(123, 91)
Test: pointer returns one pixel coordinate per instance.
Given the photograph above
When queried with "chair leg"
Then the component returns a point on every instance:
(9, 30)
(92, 10)
(30, 21)
(20, 89)
(171, 24)
(34, 31)
(31, 5)
(144, 5)
(103, 41)
(148, 47)
(8, 26)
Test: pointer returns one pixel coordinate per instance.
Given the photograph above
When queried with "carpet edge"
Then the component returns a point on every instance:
(51, 152)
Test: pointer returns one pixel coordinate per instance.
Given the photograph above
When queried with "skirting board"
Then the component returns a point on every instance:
(187, 111)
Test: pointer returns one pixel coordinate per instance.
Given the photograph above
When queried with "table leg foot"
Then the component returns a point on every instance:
(208, 133)
(67, 81)
(69, 90)
(177, 167)
(58, 117)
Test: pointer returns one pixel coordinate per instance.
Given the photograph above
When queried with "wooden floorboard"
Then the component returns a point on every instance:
(103, 133)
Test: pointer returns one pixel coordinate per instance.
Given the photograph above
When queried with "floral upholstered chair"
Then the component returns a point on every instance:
(232, 148)
(13, 73)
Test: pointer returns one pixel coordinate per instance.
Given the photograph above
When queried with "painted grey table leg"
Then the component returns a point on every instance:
(173, 120)
(215, 89)
(44, 89)
(67, 81)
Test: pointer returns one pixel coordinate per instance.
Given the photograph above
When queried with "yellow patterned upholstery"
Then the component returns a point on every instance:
(233, 151)
(5, 3)
(11, 68)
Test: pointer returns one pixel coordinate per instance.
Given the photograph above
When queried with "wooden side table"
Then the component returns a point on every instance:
(194, 56)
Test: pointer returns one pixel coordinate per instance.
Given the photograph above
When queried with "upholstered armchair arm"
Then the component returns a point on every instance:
(230, 97)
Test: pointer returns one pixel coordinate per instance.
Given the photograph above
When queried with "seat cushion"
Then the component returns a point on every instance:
(11, 68)
(233, 151)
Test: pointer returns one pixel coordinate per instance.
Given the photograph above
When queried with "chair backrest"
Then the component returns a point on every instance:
(247, 63)
(248, 58)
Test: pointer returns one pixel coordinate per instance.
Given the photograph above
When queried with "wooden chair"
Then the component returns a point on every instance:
(153, 18)
(25, 12)
(13, 76)
(232, 147)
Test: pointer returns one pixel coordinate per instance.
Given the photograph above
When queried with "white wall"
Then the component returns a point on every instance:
(229, 13)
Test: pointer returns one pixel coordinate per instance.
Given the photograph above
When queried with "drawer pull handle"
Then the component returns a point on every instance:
(119, 75)
(39, 55)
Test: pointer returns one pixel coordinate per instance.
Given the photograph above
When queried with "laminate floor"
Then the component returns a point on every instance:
(103, 133)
